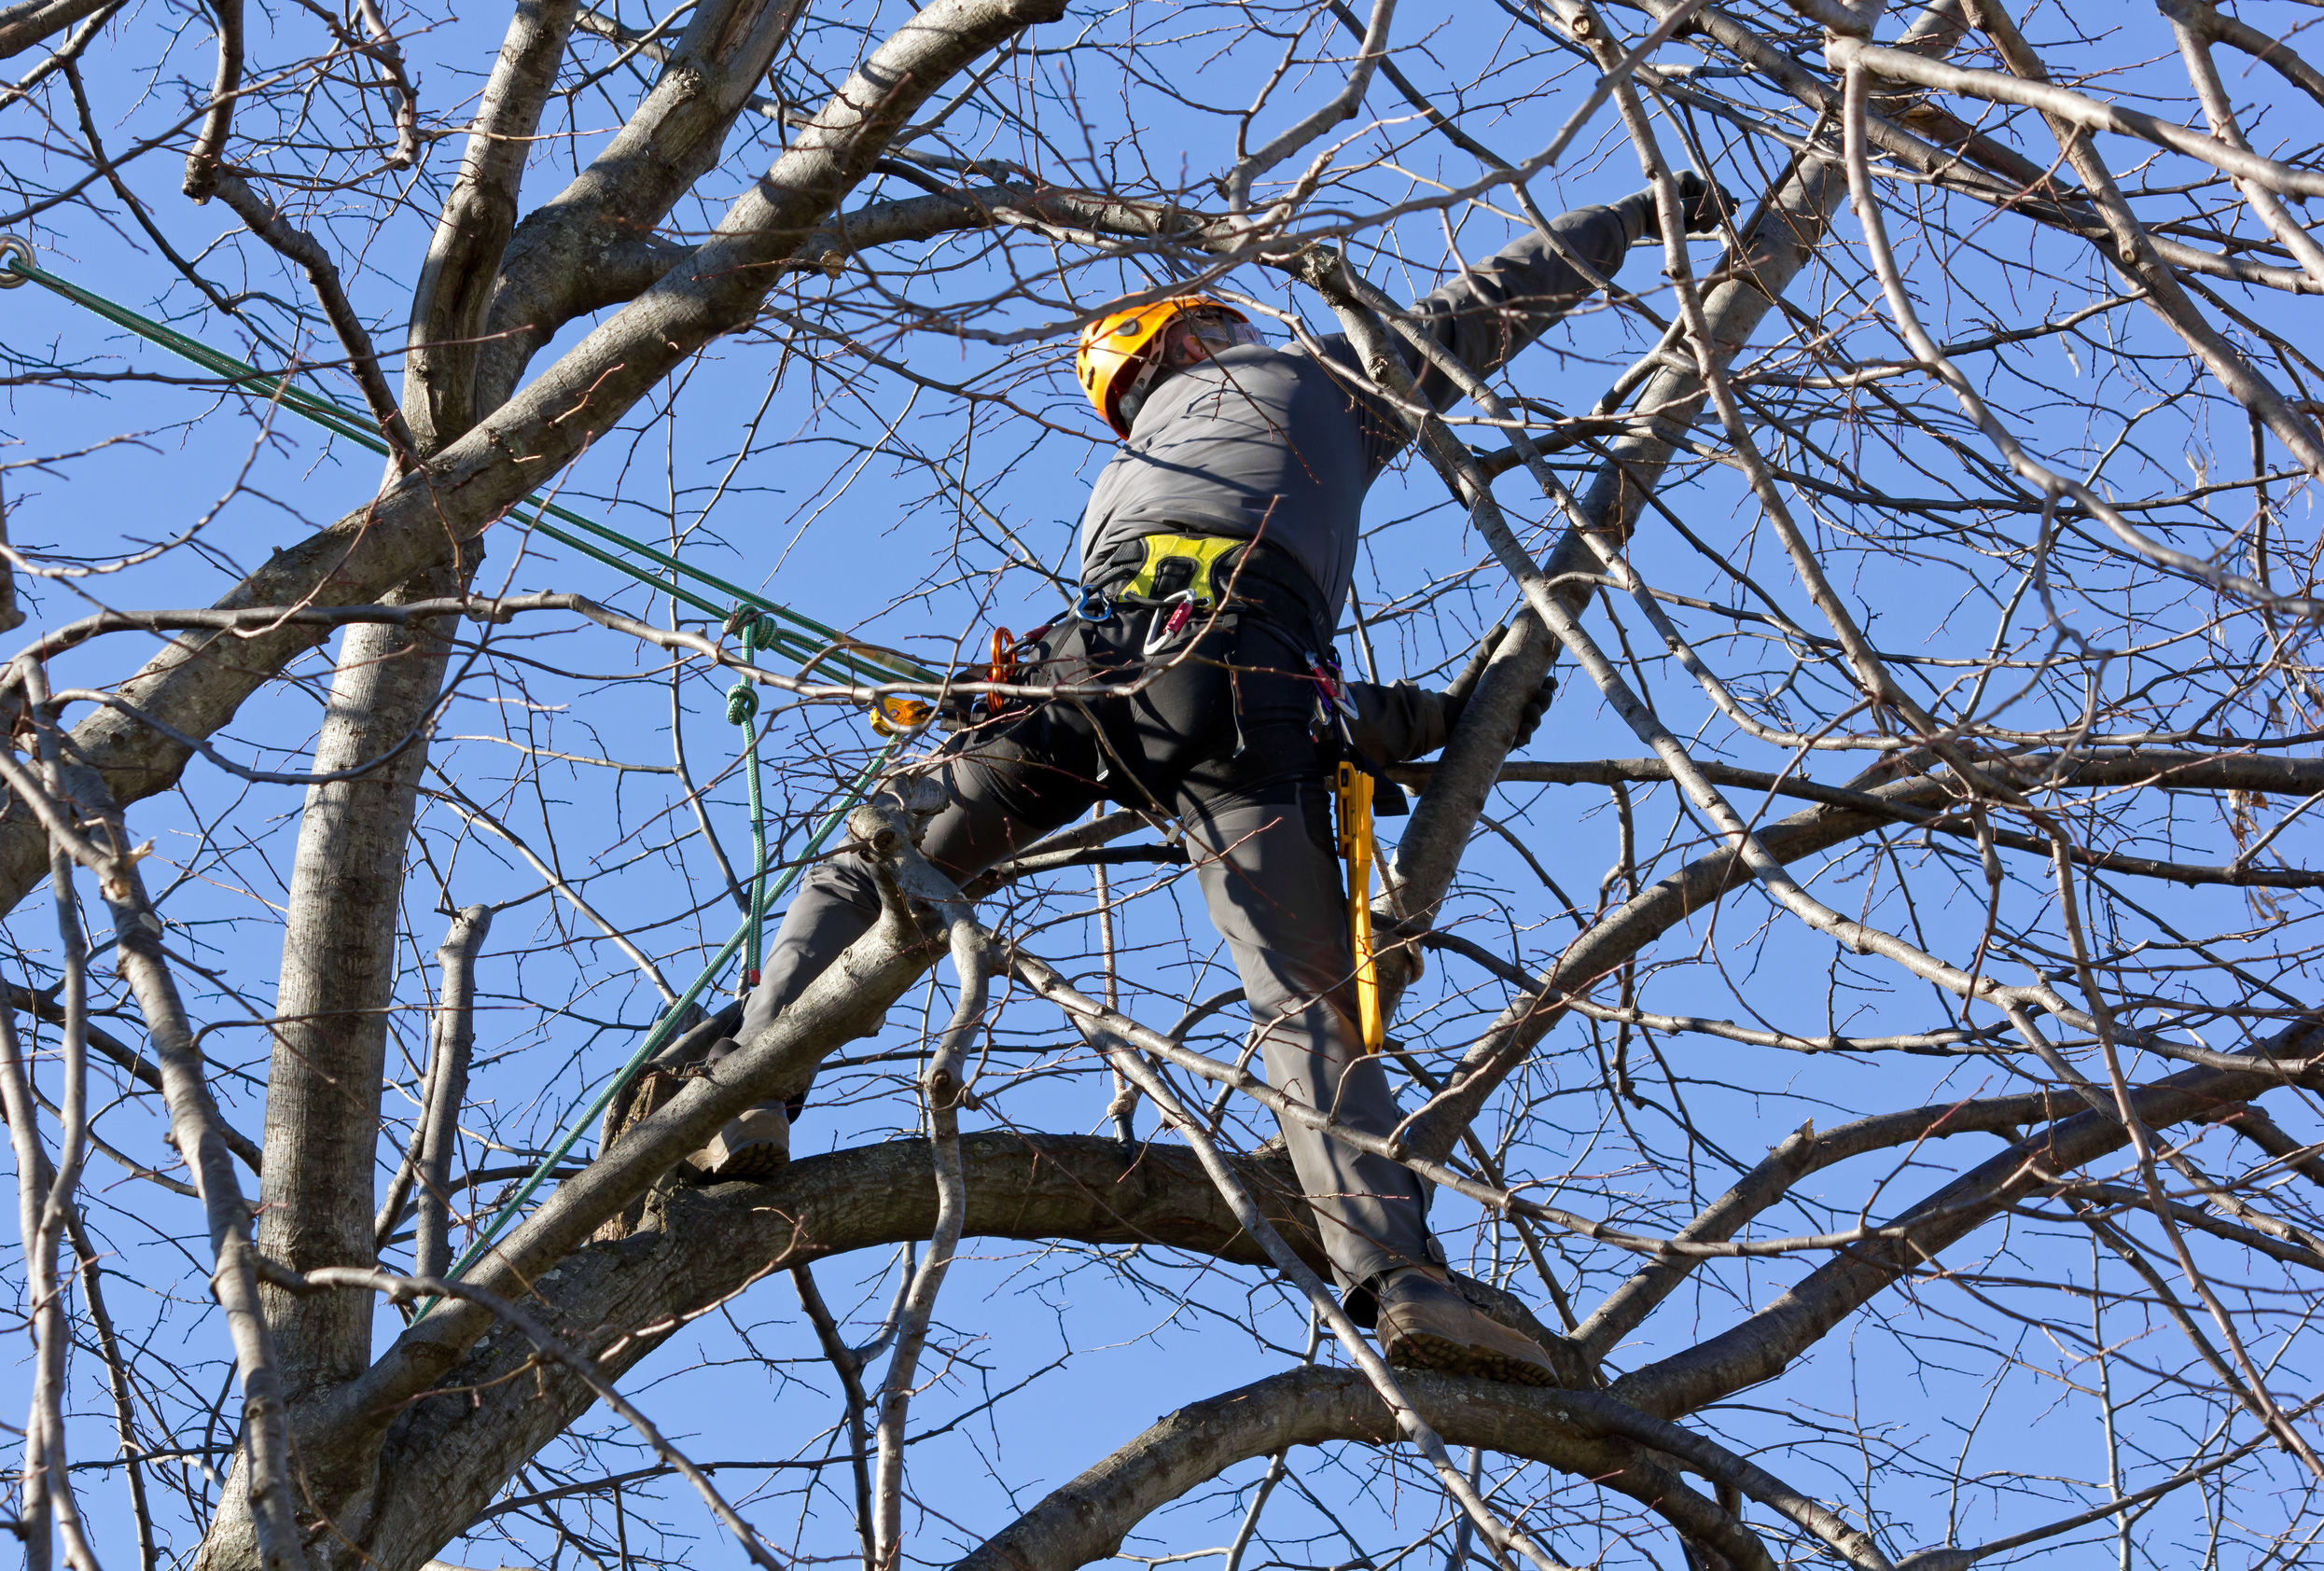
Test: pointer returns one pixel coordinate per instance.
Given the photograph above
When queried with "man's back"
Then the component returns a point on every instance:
(1261, 437)
(1258, 439)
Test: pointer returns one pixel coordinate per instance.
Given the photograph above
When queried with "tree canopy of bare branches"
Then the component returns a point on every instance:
(1873, 1022)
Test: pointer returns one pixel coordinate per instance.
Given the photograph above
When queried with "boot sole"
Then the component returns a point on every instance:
(1419, 1350)
(761, 1159)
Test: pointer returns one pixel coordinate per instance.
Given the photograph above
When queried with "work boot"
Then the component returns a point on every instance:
(1425, 1323)
(755, 1144)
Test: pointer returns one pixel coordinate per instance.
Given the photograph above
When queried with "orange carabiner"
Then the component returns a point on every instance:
(1002, 667)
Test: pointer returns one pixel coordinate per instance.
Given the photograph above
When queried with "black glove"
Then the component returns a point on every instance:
(1700, 204)
(1456, 698)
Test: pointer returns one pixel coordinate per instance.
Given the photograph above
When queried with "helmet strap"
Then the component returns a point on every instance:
(1133, 398)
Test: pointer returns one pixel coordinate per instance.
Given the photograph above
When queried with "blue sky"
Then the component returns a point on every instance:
(824, 497)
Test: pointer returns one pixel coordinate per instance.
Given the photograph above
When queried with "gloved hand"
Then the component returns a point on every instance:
(1701, 203)
(1456, 698)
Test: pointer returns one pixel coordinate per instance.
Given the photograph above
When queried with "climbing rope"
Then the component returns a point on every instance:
(666, 1027)
(760, 622)
(803, 640)
(742, 709)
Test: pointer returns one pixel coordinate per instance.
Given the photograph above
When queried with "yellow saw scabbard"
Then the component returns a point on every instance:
(1351, 788)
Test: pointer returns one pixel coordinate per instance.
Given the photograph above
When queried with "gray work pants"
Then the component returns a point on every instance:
(1223, 740)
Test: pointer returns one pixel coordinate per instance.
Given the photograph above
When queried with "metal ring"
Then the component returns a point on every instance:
(18, 246)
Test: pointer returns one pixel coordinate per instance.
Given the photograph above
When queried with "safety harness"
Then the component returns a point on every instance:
(1190, 574)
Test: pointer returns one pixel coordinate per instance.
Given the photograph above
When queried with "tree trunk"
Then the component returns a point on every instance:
(317, 1191)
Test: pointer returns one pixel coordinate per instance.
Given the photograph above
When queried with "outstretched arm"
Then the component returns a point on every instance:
(1498, 307)
(1396, 722)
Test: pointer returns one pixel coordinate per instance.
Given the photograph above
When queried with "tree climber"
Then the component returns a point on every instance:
(1217, 549)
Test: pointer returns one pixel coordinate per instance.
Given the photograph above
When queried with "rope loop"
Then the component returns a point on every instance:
(759, 628)
(742, 704)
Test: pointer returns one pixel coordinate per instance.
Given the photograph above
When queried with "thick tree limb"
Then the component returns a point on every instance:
(197, 683)
(943, 1087)
(2274, 52)
(1762, 1345)
(28, 21)
(2137, 259)
(1580, 1432)
(479, 216)
(207, 158)
(2074, 108)
(446, 1456)
(677, 135)
(337, 979)
(2163, 769)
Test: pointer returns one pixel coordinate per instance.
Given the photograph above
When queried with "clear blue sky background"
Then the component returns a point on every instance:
(868, 543)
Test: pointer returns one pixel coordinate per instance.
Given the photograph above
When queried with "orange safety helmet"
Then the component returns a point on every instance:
(1114, 345)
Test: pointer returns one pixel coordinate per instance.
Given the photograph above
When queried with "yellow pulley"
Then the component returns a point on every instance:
(900, 714)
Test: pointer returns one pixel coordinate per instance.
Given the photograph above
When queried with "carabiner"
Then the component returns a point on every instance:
(900, 714)
(1166, 628)
(1323, 671)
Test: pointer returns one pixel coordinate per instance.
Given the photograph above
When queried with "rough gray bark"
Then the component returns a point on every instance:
(338, 976)
(439, 1132)
(1085, 1520)
(549, 273)
(480, 213)
(27, 22)
(324, 1076)
(445, 1456)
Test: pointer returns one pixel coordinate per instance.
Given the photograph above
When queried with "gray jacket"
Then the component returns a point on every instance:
(1270, 441)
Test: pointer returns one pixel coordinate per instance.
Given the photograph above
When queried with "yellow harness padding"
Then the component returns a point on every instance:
(1201, 552)
(1353, 792)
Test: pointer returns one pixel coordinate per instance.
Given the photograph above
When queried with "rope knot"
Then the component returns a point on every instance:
(742, 704)
(757, 628)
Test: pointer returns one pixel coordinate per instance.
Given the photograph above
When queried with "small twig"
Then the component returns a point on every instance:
(204, 161)
(447, 1086)
(944, 1088)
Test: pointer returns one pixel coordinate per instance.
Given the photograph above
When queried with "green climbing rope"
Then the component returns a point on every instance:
(803, 640)
(759, 621)
(666, 1026)
(742, 709)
